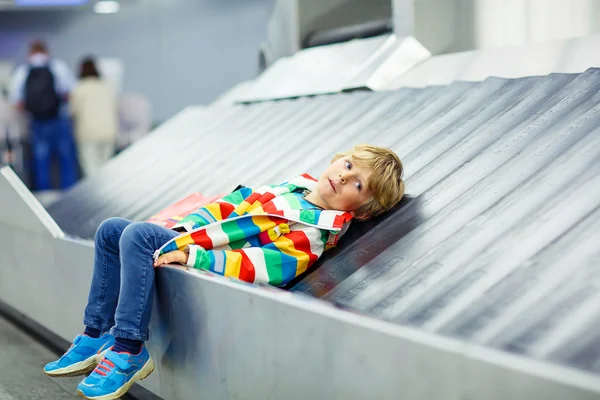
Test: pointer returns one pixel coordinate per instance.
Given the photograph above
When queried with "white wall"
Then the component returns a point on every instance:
(283, 31)
(403, 17)
(446, 26)
(176, 52)
(517, 22)
(436, 24)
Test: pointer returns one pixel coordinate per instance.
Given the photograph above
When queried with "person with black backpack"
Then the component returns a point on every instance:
(41, 88)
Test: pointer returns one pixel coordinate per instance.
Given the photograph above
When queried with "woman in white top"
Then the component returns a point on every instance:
(95, 111)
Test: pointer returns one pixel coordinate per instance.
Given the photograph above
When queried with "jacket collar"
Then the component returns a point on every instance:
(331, 220)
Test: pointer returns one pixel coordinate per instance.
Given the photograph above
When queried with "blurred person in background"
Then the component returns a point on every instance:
(41, 88)
(95, 111)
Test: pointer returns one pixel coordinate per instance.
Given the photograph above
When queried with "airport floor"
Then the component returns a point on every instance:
(21, 362)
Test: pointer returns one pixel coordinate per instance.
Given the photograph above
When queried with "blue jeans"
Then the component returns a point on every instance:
(122, 288)
(48, 137)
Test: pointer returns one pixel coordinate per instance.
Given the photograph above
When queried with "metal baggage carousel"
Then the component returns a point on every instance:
(482, 283)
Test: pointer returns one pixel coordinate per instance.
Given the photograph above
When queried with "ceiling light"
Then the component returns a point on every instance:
(48, 3)
(106, 7)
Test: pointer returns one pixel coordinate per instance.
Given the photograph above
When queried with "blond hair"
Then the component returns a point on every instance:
(385, 183)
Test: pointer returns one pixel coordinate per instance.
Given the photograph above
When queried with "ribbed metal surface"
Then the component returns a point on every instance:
(497, 242)
(500, 244)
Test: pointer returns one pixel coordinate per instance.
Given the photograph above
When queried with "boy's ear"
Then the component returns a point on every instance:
(360, 217)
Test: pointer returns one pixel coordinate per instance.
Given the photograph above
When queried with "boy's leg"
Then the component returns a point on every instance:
(138, 243)
(89, 348)
(121, 368)
(106, 280)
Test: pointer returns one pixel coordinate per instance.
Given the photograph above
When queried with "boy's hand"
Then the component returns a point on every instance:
(176, 256)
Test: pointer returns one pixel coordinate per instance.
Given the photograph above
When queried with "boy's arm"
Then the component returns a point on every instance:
(216, 211)
(276, 263)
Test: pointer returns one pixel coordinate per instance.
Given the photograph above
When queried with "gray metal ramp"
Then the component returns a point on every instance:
(501, 247)
(495, 242)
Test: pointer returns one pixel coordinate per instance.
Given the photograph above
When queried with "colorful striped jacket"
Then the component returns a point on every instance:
(259, 236)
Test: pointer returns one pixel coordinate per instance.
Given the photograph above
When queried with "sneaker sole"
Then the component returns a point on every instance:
(143, 373)
(80, 368)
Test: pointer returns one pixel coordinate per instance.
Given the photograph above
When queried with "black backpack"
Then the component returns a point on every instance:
(41, 99)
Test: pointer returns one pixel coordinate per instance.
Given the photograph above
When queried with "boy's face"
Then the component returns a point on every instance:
(344, 185)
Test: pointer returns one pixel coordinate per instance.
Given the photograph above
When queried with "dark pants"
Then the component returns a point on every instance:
(49, 138)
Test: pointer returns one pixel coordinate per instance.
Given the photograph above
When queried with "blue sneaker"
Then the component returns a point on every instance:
(115, 374)
(82, 357)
